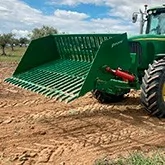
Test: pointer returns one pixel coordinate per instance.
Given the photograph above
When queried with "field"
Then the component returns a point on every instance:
(12, 56)
(38, 130)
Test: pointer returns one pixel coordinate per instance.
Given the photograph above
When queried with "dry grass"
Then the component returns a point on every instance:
(12, 56)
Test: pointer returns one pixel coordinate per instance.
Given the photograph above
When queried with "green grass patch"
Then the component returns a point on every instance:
(12, 56)
(135, 159)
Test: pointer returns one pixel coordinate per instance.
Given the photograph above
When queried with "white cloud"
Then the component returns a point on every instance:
(75, 2)
(63, 14)
(112, 3)
(3, 9)
(20, 33)
(17, 15)
(120, 8)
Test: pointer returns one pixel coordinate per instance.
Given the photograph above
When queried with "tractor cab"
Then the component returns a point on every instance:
(152, 20)
(156, 21)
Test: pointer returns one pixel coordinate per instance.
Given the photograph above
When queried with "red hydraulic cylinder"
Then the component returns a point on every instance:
(121, 74)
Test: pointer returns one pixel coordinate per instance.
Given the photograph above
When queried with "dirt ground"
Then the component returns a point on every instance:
(38, 130)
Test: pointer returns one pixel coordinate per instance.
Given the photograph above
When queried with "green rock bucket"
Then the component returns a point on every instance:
(61, 66)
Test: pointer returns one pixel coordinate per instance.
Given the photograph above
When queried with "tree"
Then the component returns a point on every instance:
(23, 41)
(42, 32)
(13, 41)
(4, 40)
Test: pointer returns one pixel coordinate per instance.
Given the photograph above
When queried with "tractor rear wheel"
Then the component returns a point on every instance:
(104, 97)
(153, 89)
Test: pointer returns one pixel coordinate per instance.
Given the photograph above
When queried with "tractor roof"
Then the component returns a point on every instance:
(157, 7)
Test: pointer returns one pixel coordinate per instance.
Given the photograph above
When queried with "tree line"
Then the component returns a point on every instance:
(9, 39)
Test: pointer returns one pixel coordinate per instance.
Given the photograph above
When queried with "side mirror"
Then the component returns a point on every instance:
(134, 17)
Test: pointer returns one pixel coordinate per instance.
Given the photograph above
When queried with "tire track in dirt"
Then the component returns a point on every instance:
(114, 137)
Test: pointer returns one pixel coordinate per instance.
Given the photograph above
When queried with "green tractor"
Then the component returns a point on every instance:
(66, 67)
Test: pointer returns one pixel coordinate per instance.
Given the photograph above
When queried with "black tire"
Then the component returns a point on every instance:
(152, 94)
(105, 98)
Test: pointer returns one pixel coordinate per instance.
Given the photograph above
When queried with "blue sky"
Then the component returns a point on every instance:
(93, 10)
(71, 16)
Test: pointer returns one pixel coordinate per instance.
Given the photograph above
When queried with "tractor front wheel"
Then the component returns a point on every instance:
(153, 89)
(104, 97)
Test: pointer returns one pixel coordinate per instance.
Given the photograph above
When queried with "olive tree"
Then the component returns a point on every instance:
(23, 41)
(4, 40)
(42, 32)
